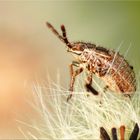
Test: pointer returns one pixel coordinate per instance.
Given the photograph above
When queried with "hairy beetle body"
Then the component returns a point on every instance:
(110, 66)
(107, 64)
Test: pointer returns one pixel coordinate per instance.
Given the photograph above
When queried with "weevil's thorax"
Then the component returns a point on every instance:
(95, 58)
(94, 54)
(77, 48)
(80, 50)
(87, 55)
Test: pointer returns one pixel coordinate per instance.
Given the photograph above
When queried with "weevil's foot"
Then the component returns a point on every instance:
(91, 89)
(106, 88)
(69, 97)
(128, 96)
(100, 103)
(87, 95)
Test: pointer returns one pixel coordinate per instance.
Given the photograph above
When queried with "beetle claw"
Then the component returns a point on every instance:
(91, 89)
(69, 97)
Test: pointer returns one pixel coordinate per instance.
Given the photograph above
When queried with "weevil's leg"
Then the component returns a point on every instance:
(114, 134)
(73, 74)
(131, 67)
(128, 96)
(75, 63)
(103, 134)
(88, 84)
(122, 131)
(134, 133)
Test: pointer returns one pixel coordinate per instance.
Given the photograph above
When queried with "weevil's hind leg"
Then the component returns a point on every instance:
(134, 133)
(103, 134)
(73, 74)
(88, 84)
(122, 132)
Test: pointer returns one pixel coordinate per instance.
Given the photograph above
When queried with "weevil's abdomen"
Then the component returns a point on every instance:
(112, 68)
(122, 75)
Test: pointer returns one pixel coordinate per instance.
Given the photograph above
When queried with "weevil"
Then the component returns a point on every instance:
(107, 64)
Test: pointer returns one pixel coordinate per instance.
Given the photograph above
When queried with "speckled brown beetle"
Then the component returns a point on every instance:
(107, 64)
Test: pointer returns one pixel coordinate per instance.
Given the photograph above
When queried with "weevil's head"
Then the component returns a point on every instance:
(75, 47)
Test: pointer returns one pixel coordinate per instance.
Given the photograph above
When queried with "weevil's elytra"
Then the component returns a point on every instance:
(107, 64)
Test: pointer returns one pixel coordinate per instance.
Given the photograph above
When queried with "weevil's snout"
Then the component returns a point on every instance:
(76, 49)
(69, 49)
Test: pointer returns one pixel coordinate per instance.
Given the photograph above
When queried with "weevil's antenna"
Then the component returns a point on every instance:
(62, 38)
(63, 29)
(54, 31)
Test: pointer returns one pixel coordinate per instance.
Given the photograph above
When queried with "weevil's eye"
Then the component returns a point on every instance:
(78, 48)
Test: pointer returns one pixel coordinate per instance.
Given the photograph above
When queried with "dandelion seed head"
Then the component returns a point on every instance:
(82, 116)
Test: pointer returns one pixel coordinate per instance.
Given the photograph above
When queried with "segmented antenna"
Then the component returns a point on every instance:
(63, 38)
(54, 31)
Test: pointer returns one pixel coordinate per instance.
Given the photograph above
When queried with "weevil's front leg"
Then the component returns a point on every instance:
(73, 74)
(88, 84)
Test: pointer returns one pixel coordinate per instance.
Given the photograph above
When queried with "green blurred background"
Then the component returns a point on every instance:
(29, 50)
